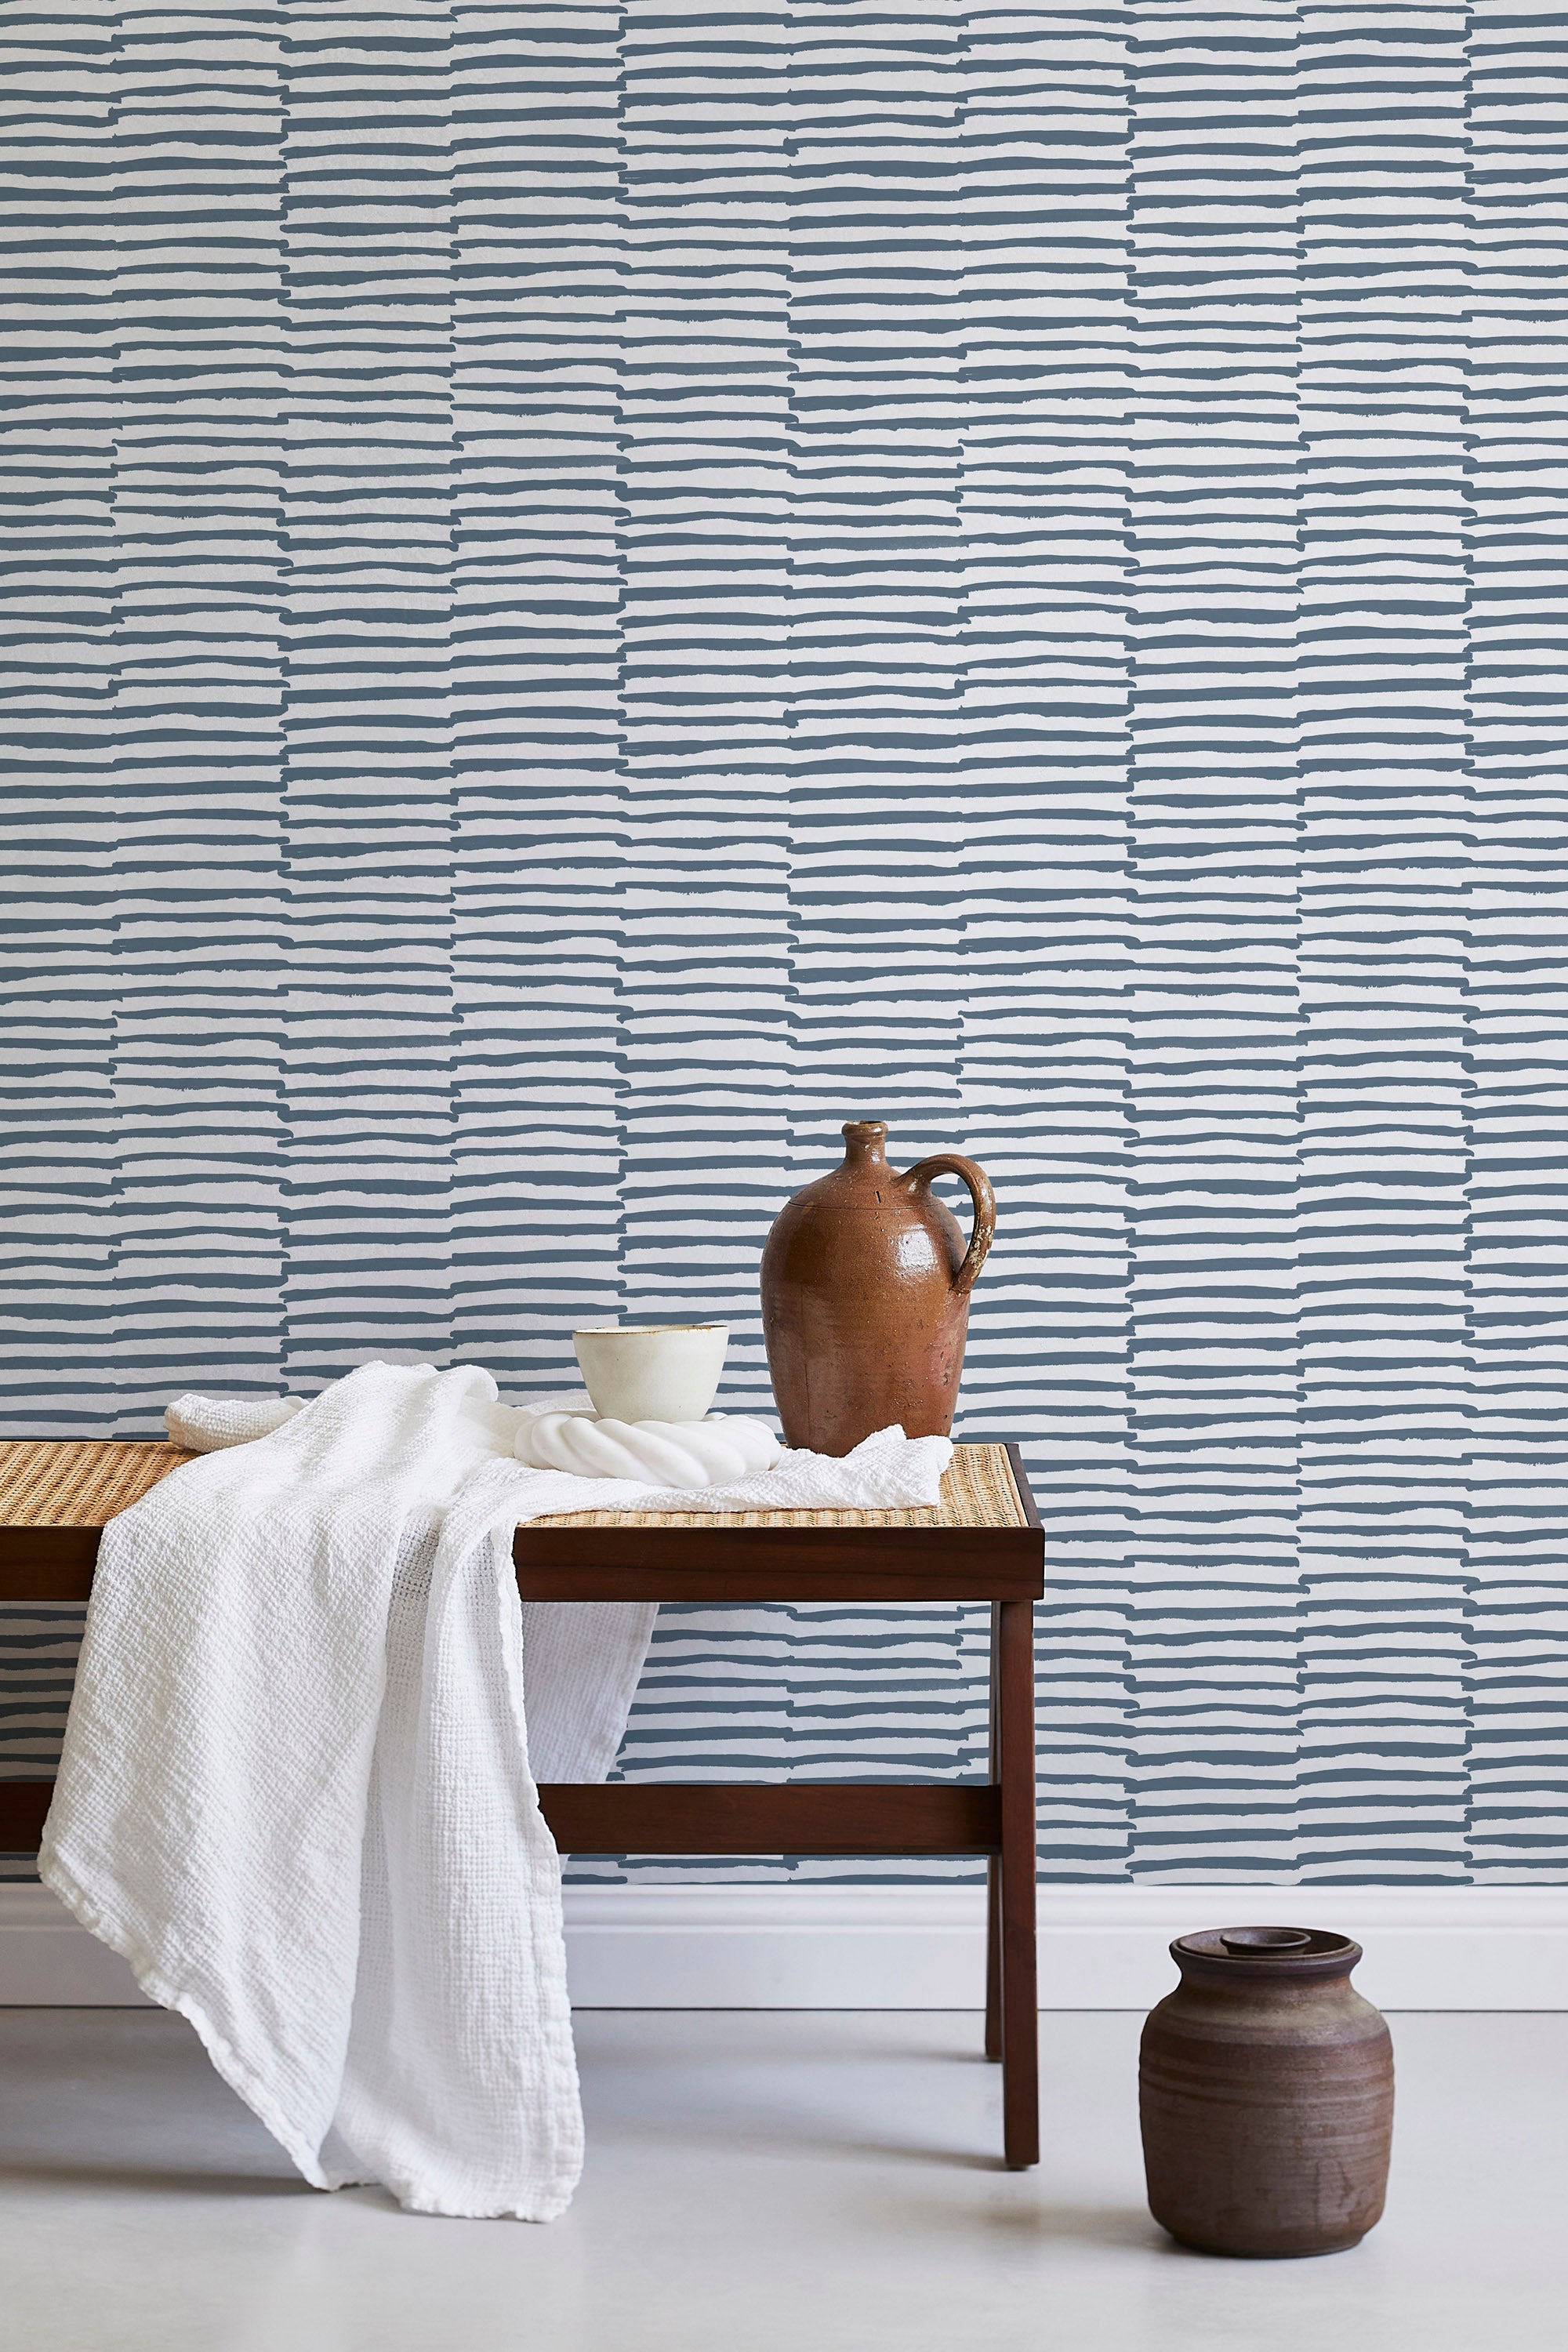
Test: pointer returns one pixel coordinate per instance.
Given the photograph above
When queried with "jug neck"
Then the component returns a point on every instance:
(865, 1142)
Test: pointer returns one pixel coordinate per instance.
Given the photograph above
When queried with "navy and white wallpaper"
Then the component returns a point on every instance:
(595, 589)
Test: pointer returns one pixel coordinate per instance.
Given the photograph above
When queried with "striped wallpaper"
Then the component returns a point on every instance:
(594, 591)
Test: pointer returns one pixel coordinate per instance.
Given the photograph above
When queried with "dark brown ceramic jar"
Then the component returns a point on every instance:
(1265, 2089)
(866, 1284)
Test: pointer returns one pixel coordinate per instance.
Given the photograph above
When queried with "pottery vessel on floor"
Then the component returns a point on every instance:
(866, 1284)
(1265, 2089)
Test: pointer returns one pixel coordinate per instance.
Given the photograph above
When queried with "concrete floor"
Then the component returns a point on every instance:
(757, 2182)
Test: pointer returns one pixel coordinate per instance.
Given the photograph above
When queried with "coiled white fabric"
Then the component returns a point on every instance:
(683, 1454)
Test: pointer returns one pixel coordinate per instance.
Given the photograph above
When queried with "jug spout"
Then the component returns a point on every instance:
(865, 1139)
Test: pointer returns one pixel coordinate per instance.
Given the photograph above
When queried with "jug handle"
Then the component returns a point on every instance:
(952, 1163)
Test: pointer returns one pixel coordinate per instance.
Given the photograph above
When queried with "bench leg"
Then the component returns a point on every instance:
(1013, 1649)
(993, 1958)
(994, 1870)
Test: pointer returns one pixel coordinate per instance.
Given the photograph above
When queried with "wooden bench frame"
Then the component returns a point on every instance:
(747, 1566)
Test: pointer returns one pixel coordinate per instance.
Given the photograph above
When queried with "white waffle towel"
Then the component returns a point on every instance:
(296, 1789)
(207, 1423)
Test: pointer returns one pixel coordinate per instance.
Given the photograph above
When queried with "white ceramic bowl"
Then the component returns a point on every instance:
(652, 1371)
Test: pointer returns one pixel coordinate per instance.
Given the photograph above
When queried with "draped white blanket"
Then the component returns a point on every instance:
(296, 1790)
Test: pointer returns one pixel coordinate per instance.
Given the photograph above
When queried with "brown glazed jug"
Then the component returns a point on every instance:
(866, 1284)
(1266, 2092)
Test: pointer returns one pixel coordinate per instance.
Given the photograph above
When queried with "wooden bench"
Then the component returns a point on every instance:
(982, 1543)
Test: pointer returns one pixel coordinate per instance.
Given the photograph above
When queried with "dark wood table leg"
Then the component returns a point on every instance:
(993, 1958)
(994, 1870)
(1014, 1643)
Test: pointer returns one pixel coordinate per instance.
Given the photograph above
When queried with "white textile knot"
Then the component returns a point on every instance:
(653, 1453)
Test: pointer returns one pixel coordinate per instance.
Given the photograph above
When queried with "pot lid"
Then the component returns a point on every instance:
(1271, 1947)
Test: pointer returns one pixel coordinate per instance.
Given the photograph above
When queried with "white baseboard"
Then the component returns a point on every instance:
(813, 1946)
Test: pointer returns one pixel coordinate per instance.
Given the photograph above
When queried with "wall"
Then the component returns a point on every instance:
(606, 589)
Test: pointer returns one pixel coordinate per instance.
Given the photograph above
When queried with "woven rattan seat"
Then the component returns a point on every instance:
(84, 1482)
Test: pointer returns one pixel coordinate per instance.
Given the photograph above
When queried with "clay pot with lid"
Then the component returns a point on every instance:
(1266, 2093)
(866, 1284)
